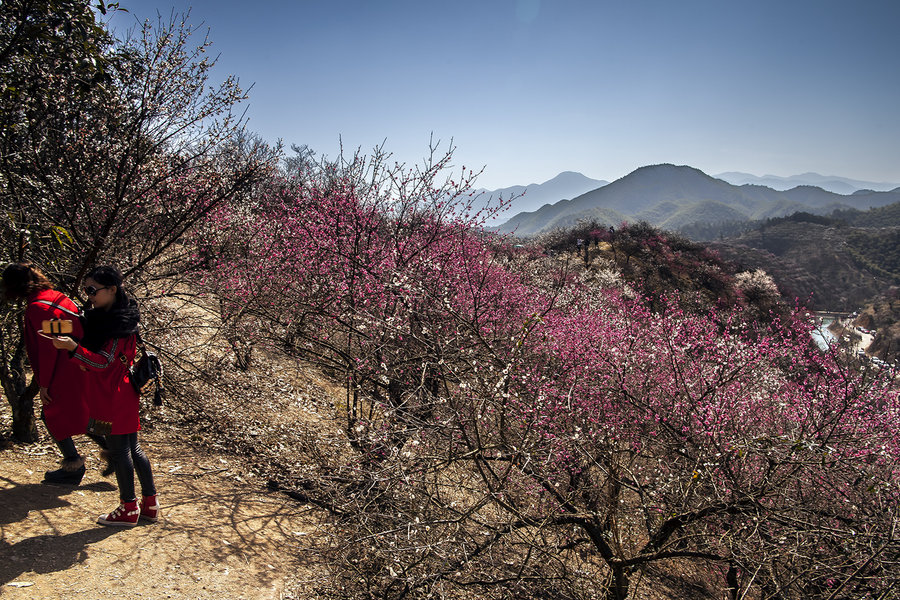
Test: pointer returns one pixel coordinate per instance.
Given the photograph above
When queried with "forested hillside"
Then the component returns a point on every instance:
(877, 251)
(663, 265)
(885, 216)
(821, 260)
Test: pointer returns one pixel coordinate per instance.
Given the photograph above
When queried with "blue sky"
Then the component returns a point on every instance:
(530, 88)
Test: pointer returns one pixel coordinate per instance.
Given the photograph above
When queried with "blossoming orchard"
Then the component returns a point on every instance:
(519, 430)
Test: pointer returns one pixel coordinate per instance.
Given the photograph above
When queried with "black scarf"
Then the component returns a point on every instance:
(103, 325)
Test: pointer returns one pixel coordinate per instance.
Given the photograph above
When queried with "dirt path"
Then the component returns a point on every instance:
(220, 536)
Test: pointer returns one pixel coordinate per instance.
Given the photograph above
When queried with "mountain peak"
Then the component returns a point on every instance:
(573, 177)
(665, 170)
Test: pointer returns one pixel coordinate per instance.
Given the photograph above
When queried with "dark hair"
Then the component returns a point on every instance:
(107, 275)
(21, 280)
(118, 321)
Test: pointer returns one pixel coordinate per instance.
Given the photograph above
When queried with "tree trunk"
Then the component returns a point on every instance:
(618, 587)
(21, 399)
(24, 424)
(731, 579)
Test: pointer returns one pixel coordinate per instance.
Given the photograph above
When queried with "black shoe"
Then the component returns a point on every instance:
(71, 472)
(64, 476)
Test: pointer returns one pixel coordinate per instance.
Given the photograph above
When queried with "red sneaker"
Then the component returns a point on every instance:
(125, 516)
(150, 509)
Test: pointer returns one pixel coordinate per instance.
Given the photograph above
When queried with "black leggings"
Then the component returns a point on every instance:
(130, 458)
(67, 446)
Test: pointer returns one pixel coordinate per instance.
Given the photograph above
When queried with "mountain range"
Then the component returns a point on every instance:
(567, 184)
(831, 183)
(674, 197)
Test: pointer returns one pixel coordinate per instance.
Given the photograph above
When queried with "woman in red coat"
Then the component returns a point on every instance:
(62, 389)
(106, 351)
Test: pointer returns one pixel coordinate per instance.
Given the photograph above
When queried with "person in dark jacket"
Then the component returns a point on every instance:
(62, 390)
(106, 351)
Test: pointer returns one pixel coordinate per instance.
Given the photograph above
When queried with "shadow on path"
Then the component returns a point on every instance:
(22, 498)
(48, 553)
(45, 553)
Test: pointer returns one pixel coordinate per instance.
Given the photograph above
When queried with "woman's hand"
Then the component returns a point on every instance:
(62, 342)
(45, 397)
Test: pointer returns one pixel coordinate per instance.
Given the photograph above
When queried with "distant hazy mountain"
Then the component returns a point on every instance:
(831, 183)
(671, 197)
(528, 198)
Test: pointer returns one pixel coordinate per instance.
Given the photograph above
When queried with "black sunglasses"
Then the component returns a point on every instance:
(92, 291)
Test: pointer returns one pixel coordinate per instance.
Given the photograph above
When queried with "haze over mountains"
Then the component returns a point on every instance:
(674, 197)
(838, 185)
(567, 184)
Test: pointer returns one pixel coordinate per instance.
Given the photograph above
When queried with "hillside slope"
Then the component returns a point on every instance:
(811, 261)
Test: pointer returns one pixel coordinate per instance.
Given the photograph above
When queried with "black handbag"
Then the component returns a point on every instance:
(146, 373)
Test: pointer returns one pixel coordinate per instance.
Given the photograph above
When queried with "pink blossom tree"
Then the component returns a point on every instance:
(516, 431)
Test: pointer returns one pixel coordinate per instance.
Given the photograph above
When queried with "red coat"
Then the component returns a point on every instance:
(67, 413)
(110, 394)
